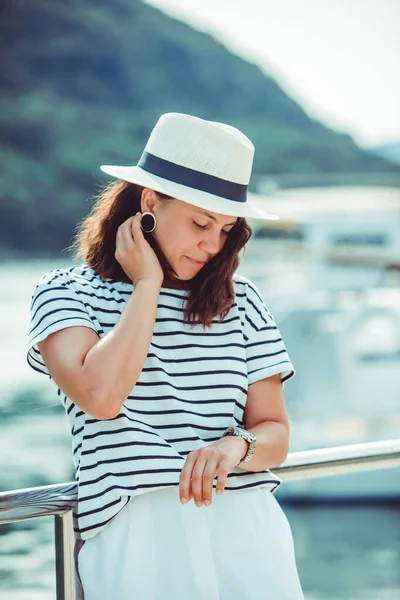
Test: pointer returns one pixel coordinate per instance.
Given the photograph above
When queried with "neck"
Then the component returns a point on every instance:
(176, 284)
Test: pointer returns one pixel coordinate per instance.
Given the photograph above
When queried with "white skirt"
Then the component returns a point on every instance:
(156, 548)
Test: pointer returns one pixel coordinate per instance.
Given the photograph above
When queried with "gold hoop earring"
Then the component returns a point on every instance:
(148, 223)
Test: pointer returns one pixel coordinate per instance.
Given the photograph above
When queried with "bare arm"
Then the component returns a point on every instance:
(98, 375)
(266, 416)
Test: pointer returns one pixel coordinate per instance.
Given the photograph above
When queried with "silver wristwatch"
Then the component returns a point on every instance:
(246, 435)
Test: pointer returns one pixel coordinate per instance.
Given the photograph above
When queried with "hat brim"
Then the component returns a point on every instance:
(198, 198)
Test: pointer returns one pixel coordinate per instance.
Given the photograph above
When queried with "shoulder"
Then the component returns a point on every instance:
(251, 304)
(246, 290)
(69, 276)
(58, 285)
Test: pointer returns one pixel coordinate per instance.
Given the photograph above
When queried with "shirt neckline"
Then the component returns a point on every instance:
(124, 283)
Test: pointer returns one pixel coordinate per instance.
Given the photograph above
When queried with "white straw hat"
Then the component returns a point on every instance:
(205, 163)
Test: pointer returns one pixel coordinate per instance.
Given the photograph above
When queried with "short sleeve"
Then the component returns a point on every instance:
(266, 352)
(55, 305)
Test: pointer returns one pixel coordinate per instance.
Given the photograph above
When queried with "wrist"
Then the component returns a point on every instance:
(150, 284)
(241, 444)
(245, 447)
(248, 437)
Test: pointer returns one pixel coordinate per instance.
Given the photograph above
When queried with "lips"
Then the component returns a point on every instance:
(198, 263)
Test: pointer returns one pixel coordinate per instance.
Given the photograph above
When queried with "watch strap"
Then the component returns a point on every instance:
(246, 435)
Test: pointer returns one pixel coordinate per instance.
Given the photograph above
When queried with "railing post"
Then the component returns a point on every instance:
(65, 564)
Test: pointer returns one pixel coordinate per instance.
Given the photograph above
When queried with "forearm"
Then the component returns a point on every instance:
(271, 448)
(114, 364)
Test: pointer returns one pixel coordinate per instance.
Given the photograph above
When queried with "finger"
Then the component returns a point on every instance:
(197, 479)
(185, 476)
(121, 243)
(222, 476)
(190, 492)
(190, 496)
(136, 228)
(128, 223)
(126, 237)
(125, 248)
(208, 478)
(126, 226)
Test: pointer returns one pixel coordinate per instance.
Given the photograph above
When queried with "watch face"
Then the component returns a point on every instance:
(246, 433)
(240, 430)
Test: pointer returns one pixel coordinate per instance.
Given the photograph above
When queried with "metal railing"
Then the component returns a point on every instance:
(60, 500)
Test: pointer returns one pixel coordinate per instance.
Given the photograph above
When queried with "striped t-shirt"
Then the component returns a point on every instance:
(192, 387)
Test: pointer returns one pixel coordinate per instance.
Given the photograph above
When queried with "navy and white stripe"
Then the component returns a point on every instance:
(192, 387)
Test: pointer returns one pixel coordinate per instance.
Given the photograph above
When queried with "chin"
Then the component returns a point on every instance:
(184, 274)
(181, 275)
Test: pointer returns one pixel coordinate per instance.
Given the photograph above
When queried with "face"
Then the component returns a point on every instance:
(189, 236)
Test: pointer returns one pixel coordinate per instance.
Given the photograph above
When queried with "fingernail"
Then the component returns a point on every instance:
(183, 500)
(207, 502)
(199, 504)
(219, 492)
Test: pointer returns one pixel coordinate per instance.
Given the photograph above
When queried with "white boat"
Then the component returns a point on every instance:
(331, 284)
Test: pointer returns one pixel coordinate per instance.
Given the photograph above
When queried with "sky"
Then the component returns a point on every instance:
(339, 59)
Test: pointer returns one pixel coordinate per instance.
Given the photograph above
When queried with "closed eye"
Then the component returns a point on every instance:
(204, 227)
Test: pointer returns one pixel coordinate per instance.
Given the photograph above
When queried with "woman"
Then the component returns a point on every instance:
(171, 368)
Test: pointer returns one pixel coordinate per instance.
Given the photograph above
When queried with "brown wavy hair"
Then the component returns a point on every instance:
(211, 291)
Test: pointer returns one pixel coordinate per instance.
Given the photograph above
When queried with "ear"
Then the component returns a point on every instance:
(148, 200)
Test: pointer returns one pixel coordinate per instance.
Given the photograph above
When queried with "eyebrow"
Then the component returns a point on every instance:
(202, 212)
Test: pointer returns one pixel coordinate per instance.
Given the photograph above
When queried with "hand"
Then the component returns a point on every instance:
(203, 465)
(134, 253)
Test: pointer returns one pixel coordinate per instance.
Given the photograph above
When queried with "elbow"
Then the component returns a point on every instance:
(278, 462)
(102, 407)
(107, 409)
(284, 447)
(284, 455)
(283, 459)
(97, 400)
(106, 413)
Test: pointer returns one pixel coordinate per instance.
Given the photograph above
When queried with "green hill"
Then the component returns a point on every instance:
(83, 84)
(388, 151)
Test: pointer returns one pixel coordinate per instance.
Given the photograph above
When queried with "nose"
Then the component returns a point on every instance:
(212, 242)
